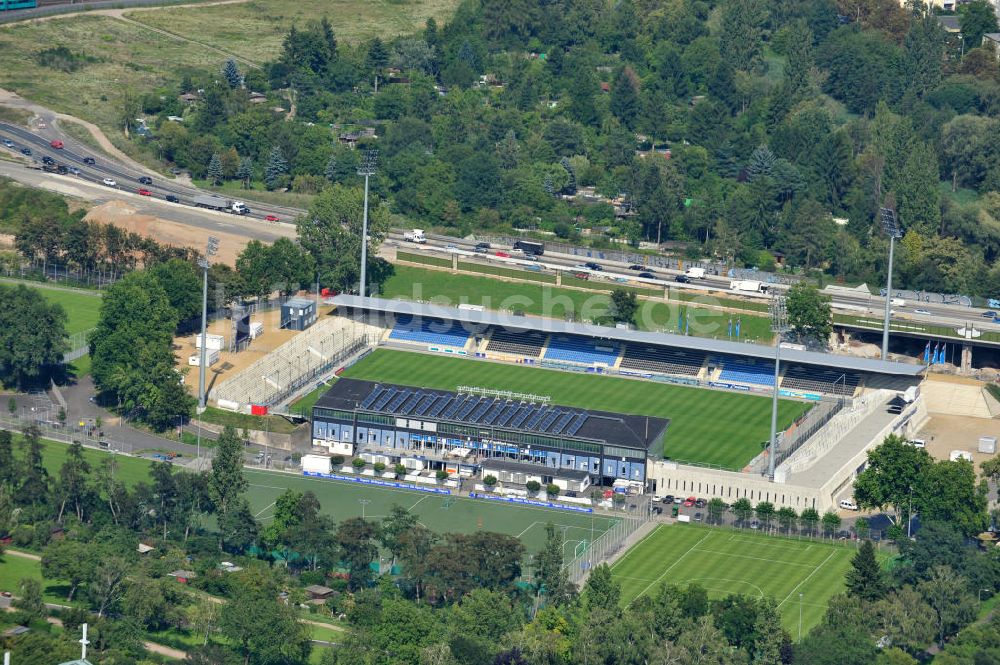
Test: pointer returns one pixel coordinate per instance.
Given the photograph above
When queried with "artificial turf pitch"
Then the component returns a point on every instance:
(726, 561)
(706, 426)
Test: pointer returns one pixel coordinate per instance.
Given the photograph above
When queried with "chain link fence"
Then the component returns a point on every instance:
(606, 545)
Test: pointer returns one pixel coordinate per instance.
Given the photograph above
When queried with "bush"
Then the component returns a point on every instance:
(379, 467)
(400, 471)
(552, 490)
(358, 463)
(490, 481)
(337, 460)
(533, 486)
(442, 475)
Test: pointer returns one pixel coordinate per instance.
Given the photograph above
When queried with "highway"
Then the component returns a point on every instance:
(253, 225)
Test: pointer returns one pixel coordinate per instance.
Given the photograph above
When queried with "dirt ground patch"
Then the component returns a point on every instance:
(124, 216)
(231, 364)
(944, 433)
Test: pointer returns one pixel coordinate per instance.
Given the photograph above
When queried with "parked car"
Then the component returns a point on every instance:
(647, 275)
(581, 275)
(503, 255)
(26, 151)
(144, 192)
(678, 500)
(110, 182)
(56, 144)
(145, 180)
(636, 266)
(755, 524)
(682, 279)
(668, 498)
(593, 266)
(700, 503)
(697, 517)
(73, 170)
(89, 160)
(271, 218)
(657, 510)
(689, 502)
(171, 198)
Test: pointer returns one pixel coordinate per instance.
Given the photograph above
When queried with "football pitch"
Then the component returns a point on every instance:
(801, 575)
(440, 513)
(706, 426)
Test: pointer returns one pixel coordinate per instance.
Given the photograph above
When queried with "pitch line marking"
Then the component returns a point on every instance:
(417, 503)
(757, 558)
(265, 508)
(726, 579)
(633, 548)
(526, 529)
(664, 573)
(807, 578)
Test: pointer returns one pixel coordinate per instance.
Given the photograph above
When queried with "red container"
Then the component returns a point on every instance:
(258, 409)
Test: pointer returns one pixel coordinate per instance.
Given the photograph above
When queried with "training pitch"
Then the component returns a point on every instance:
(706, 426)
(801, 575)
(440, 513)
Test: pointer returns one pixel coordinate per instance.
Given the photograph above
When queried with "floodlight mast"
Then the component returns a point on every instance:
(210, 250)
(779, 324)
(890, 224)
(366, 169)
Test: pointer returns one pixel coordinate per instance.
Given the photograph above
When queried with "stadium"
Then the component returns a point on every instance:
(476, 393)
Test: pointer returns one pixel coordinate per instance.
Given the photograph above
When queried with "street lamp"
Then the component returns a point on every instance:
(800, 617)
(890, 224)
(210, 250)
(779, 324)
(366, 169)
(363, 502)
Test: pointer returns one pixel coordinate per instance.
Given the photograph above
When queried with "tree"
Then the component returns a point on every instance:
(743, 509)
(378, 56)
(892, 477)
(809, 312)
(765, 513)
(787, 517)
(831, 522)
(769, 636)
(716, 508)
(949, 491)
(72, 484)
(601, 590)
(32, 337)
(226, 481)
(761, 163)
(947, 594)
(625, 96)
(976, 19)
(865, 579)
(550, 574)
(215, 169)
(237, 527)
(742, 33)
(232, 74)
(919, 205)
(245, 171)
(30, 599)
(355, 539)
(809, 518)
(106, 584)
(182, 285)
(906, 620)
(394, 525)
(34, 478)
(264, 631)
(276, 168)
(624, 305)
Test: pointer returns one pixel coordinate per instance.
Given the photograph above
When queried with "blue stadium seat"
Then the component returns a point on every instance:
(429, 331)
(746, 371)
(581, 350)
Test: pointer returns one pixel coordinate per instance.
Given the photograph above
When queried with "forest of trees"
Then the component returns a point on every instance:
(780, 121)
(444, 599)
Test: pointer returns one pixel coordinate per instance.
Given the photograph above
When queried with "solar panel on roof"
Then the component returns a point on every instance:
(507, 414)
(385, 398)
(372, 396)
(577, 423)
(519, 417)
(491, 416)
(453, 407)
(439, 405)
(411, 402)
(469, 406)
(537, 413)
(424, 404)
(548, 420)
(562, 422)
(477, 413)
(399, 397)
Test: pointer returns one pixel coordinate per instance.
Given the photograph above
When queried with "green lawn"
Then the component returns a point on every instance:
(726, 561)
(305, 403)
(440, 513)
(242, 421)
(413, 283)
(707, 426)
(131, 470)
(14, 568)
(83, 308)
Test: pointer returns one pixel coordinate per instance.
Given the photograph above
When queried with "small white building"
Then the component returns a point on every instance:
(516, 473)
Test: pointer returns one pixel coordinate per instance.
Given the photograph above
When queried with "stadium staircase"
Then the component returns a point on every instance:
(311, 352)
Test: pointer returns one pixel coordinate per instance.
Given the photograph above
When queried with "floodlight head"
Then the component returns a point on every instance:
(213, 246)
(368, 163)
(890, 223)
(779, 313)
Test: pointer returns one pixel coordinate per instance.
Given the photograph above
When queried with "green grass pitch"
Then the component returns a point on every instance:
(707, 426)
(727, 561)
(83, 308)
(440, 513)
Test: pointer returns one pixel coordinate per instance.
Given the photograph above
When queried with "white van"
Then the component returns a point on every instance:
(918, 443)
(848, 504)
(897, 302)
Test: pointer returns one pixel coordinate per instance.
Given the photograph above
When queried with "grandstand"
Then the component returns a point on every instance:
(663, 360)
(293, 364)
(821, 380)
(528, 345)
(583, 351)
(742, 370)
(436, 332)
